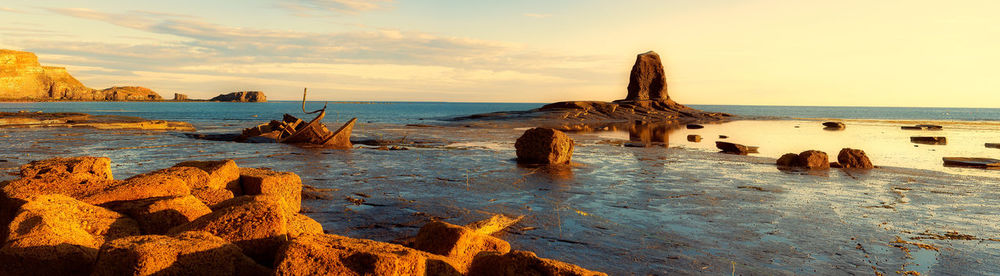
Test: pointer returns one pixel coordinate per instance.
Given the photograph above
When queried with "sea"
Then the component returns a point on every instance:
(677, 207)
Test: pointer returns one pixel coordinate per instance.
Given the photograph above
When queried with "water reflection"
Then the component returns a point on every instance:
(642, 134)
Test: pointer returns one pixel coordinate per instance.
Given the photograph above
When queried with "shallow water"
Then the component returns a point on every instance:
(678, 210)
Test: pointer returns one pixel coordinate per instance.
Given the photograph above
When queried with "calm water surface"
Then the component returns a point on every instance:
(681, 209)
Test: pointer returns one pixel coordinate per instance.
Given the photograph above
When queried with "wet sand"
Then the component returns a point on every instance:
(622, 210)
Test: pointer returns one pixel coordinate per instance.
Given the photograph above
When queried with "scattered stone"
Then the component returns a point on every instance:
(242, 96)
(694, 126)
(733, 148)
(544, 146)
(522, 263)
(188, 253)
(159, 215)
(694, 138)
(993, 145)
(459, 243)
(286, 185)
(854, 158)
(834, 125)
(59, 235)
(929, 140)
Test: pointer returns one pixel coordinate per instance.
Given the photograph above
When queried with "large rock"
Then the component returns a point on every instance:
(854, 158)
(544, 146)
(286, 185)
(242, 96)
(188, 253)
(59, 235)
(459, 243)
(323, 254)
(298, 224)
(259, 227)
(130, 93)
(76, 167)
(647, 80)
(522, 263)
(159, 215)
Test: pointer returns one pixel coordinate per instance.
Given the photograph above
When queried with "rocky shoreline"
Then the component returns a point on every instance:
(69, 216)
(39, 119)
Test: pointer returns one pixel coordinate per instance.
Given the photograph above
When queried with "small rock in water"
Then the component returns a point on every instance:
(695, 126)
(723, 136)
(733, 148)
(694, 138)
(993, 145)
(834, 125)
(810, 159)
(929, 140)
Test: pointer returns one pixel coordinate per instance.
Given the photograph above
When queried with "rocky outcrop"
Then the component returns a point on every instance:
(22, 77)
(242, 96)
(129, 93)
(180, 97)
(647, 80)
(56, 229)
(544, 146)
(646, 100)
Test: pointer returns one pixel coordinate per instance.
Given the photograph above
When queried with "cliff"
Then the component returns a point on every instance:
(22, 77)
(242, 96)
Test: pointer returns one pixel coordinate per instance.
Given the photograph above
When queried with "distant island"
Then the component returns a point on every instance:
(23, 78)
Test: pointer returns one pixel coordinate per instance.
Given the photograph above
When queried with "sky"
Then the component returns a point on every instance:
(753, 52)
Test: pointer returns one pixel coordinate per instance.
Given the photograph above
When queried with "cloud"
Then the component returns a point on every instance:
(13, 10)
(194, 56)
(537, 15)
(312, 7)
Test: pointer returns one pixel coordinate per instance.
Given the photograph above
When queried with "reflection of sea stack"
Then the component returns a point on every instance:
(647, 81)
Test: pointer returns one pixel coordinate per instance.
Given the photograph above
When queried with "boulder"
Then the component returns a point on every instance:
(195, 178)
(929, 140)
(854, 158)
(694, 138)
(222, 174)
(522, 263)
(211, 197)
(159, 215)
(258, 227)
(242, 96)
(59, 235)
(647, 80)
(813, 160)
(148, 185)
(733, 148)
(324, 254)
(297, 223)
(834, 125)
(73, 167)
(544, 146)
(188, 253)
(458, 243)
(286, 185)
(787, 160)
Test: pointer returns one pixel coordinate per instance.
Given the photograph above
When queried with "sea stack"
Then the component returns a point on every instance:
(242, 96)
(647, 81)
